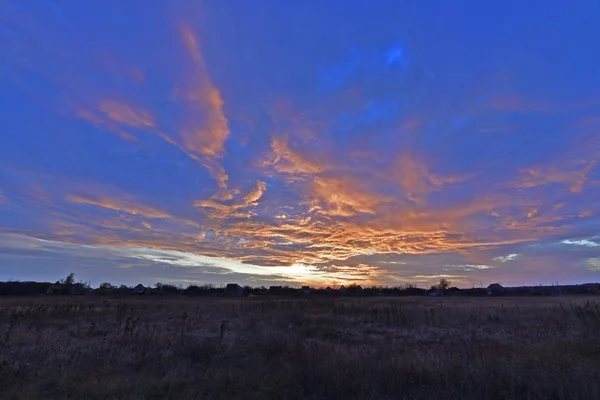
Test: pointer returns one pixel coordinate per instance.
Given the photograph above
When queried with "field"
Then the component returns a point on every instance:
(354, 348)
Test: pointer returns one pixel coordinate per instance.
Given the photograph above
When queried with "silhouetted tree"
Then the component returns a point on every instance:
(106, 287)
(69, 279)
(168, 288)
(444, 284)
(67, 283)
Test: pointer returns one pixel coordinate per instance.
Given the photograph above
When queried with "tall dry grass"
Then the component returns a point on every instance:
(409, 348)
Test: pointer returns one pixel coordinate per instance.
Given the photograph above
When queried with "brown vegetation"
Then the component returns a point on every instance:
(378, 348)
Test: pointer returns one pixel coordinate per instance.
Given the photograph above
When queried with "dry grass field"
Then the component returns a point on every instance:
(355, 348)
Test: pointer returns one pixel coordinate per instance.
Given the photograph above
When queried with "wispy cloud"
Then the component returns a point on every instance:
(288, 160)
(574, 177)
(416, 179)
(581, 242)
(116, 116)
(237, 209)
(205, 129)
(124, 113)
(119, 205)
(345, 196)
(507, 258)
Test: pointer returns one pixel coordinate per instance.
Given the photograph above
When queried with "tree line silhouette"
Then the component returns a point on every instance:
(69, 286)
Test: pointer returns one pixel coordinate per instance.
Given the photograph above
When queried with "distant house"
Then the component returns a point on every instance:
(354, 289)
(495, 289)
(305, 289)
(328, 289)
(342, 289)
(357, 289)
(436, 293)
(139, 289)
(233, 289)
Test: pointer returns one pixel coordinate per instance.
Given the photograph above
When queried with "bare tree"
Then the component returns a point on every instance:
(444, 284)
(69, 280)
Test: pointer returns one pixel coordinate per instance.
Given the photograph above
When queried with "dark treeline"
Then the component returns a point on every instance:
(18, 288)
(68, 286)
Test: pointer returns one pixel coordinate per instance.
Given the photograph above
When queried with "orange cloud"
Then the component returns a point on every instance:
(318, 231)
(255, 194)
(414, 178)
(205, 128)
(121, 205)
(102, 121)
(575, 178)
(126, 114)
(345, 196)
(321, 239)
(289, 161)
(417, 181)
(311, 240)
(214, 205)
(237, 209)
(226, 195)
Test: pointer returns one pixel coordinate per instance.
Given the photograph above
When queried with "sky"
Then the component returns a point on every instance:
(264, 142)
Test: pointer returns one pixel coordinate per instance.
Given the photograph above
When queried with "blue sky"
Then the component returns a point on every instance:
(297, 142)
